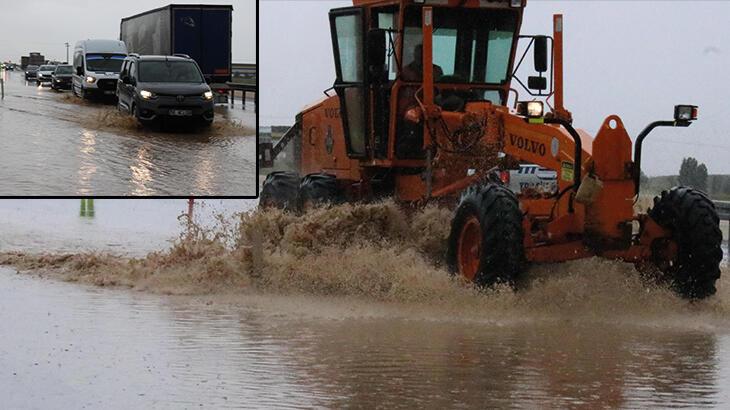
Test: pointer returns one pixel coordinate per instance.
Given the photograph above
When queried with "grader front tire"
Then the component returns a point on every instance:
(692, 218)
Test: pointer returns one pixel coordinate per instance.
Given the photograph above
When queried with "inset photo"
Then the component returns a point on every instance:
(142, 99)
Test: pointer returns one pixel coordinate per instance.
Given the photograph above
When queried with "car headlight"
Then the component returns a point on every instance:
(208, 95)
(147, 95)
(91, 80)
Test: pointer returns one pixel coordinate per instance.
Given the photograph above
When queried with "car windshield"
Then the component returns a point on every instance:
(469, 46)
(64, 69)
(169, 72)
(47, 68)
(32, 67)
(104, 63)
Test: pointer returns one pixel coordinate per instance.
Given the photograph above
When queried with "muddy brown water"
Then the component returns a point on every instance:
(54, 144)
(383, 330)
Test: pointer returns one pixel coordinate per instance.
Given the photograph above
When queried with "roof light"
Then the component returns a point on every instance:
(685, 113)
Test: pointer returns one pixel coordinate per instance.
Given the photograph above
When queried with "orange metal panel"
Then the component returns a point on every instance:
(611, 160)
(323, 142)
(409, 188)
(558, 253)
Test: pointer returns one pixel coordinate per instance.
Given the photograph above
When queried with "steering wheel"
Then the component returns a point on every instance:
(451, 99)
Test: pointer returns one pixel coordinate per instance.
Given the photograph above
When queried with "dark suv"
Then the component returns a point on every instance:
(61, 79)
(31, 73)
(152, 87)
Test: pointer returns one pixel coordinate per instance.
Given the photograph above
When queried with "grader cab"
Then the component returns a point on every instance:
(421, 111)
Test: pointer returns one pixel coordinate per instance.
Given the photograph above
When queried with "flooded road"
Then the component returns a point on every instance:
(582, 334)
(53, 144)
(83, 347)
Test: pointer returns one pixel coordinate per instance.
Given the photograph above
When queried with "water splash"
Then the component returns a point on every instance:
(378, 253)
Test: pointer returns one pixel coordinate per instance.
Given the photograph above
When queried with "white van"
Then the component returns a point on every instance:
(96, 67)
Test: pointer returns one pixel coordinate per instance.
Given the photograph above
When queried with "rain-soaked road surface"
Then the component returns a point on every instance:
(52, 144)
(76, 346)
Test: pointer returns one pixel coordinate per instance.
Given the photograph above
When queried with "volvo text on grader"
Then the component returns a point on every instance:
(419, 112)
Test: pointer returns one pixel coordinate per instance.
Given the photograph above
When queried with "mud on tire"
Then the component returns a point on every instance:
(692, 218)
(319, 189)
(501, 254)
(280, 190)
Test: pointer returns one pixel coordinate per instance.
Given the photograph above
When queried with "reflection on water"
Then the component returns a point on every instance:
(141, 172)
(55, 144)
(78, 346)
(87, 167)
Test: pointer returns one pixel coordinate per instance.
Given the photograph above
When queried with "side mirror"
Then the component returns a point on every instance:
(376, 49)
(208, 80)
(541, 54)
(537, 83)
(79, 71)
(126, 79)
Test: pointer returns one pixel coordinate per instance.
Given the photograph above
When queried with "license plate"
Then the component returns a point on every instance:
(181, 113)
(108, 92)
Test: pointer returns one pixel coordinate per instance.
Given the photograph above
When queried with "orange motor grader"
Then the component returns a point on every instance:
(419, 112)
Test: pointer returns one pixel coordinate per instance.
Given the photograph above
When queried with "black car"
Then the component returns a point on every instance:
(31, 72)
(61, 78)
(152, 87)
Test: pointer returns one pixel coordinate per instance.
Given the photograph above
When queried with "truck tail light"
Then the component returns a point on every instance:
(504, 176)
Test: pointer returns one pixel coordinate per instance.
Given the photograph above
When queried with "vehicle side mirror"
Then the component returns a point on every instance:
(376, 49)
(537, 83)
(79, 71)
(541, 54)
(126, 79)
(208, 80)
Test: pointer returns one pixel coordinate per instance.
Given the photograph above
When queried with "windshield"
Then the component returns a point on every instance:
(104, 63)
(64, 69)
(47, 68)
(169, 72)
(32, 67)
(469, 46)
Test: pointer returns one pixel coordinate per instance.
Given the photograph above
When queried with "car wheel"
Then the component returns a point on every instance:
(145, 123)
(205, 122)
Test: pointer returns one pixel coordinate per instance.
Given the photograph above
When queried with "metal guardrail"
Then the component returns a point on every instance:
(723, 212)
(723, 209)
(245, 89)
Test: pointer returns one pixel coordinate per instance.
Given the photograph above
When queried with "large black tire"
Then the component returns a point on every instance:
(319, 189)
(692, 218)
(501, 254)
(280, 190)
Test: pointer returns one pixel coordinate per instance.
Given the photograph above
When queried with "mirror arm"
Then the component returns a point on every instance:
(640, 141)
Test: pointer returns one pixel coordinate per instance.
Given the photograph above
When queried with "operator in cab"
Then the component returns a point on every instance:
(414, 70)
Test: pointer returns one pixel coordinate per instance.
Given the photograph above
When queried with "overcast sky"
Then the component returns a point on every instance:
(45, 25)
(636, 59)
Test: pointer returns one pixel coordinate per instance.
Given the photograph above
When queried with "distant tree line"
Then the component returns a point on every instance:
(691, 173)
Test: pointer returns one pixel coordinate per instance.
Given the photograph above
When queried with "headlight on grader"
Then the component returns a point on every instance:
(685, 112)
(533, 110)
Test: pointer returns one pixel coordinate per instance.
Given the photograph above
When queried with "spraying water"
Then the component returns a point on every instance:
(378, 253)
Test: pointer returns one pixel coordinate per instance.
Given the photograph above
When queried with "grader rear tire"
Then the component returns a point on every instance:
(693, 220)
(319, 189)
(486, 244)
(281, 191)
